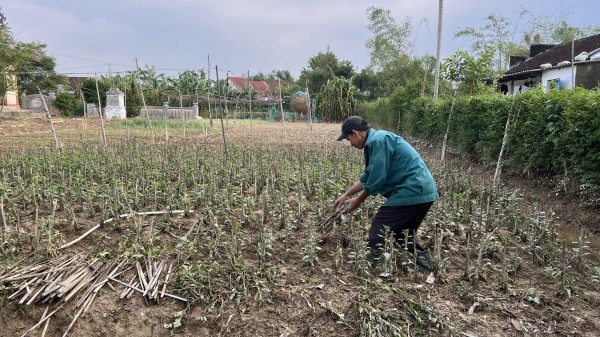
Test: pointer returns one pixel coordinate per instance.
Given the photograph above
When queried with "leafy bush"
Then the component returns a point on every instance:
(555, 132)
(66, 103)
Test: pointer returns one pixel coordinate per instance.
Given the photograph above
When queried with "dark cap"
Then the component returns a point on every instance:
(353, 123)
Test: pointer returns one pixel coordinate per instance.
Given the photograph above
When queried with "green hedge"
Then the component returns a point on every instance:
(551, 132)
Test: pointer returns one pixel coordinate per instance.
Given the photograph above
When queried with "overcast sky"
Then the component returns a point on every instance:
(91, 36)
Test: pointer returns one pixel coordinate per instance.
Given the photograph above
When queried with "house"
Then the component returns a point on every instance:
(560, 66)
(260, 89)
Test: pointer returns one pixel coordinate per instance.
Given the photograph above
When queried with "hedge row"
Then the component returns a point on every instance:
(556, 132)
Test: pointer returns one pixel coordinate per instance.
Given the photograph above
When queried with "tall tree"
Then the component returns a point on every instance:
(28, 61)
(390, 40)
(321, 68)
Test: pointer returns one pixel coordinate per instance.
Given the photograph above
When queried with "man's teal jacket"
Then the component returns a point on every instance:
(394, 169)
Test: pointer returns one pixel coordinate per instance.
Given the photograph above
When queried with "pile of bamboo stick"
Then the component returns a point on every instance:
(55, 281)
(147, 280)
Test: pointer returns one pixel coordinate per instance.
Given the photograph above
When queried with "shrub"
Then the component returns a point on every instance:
(66, 103)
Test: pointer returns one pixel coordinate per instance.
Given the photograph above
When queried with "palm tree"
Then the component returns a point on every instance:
(436, 83)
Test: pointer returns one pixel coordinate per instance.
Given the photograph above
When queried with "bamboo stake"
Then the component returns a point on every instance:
(222, 126)
(445, 144)
(2, 215)
(73, 322)
(44, 318)
(162, 293)
(208, 93)
(498, 171)
(141, 291)
(126, 215)
(45, 327)
(137, 72)
(49, 117)
(101, 116)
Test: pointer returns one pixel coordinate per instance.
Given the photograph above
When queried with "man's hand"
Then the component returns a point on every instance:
(339, 202)
(353, 204)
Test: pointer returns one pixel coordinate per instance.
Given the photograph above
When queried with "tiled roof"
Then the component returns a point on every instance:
(240, 82)
(555, 55)
(259, 86)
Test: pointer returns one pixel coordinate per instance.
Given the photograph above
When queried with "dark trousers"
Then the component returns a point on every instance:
(398, 219)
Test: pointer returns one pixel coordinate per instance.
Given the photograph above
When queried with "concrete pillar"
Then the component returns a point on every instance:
(11, 99)
(195, 112)
(165, 110)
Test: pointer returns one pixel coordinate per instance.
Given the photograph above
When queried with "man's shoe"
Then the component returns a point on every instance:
(424, 263)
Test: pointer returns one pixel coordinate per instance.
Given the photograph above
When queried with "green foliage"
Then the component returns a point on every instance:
(29, 61)
(506, 37)
(389, 40)
(580, 136)
(39, 72)
(337, 100)
(66, 103)
(133, 101)
(469, 71)
(88, 87)
(323, 67)
(555, 132)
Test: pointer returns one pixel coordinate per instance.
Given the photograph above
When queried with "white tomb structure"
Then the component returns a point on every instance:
(115, 104)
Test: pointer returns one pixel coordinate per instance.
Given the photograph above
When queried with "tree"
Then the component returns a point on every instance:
(469, 71)
(26, 60)
(321, 68)
(283, 75)
(507, 38)
(390, 39)
(66, 103)
(367, 85)
(337, 100)
(39, 72)
(495, 35)
(550, 30)
(88, 87)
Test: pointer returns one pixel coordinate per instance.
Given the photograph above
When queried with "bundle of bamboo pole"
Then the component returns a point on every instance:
(148, 278)
(55, 281)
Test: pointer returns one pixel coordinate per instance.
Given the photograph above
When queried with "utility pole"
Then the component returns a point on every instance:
(436, 83)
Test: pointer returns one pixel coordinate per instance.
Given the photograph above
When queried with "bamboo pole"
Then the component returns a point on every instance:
(181, 103)
(445, 144)
(222, 126)
(208, 93)
(49, 117)
(126, 215)
(498, 171)
(137, 72)
(100, 111)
